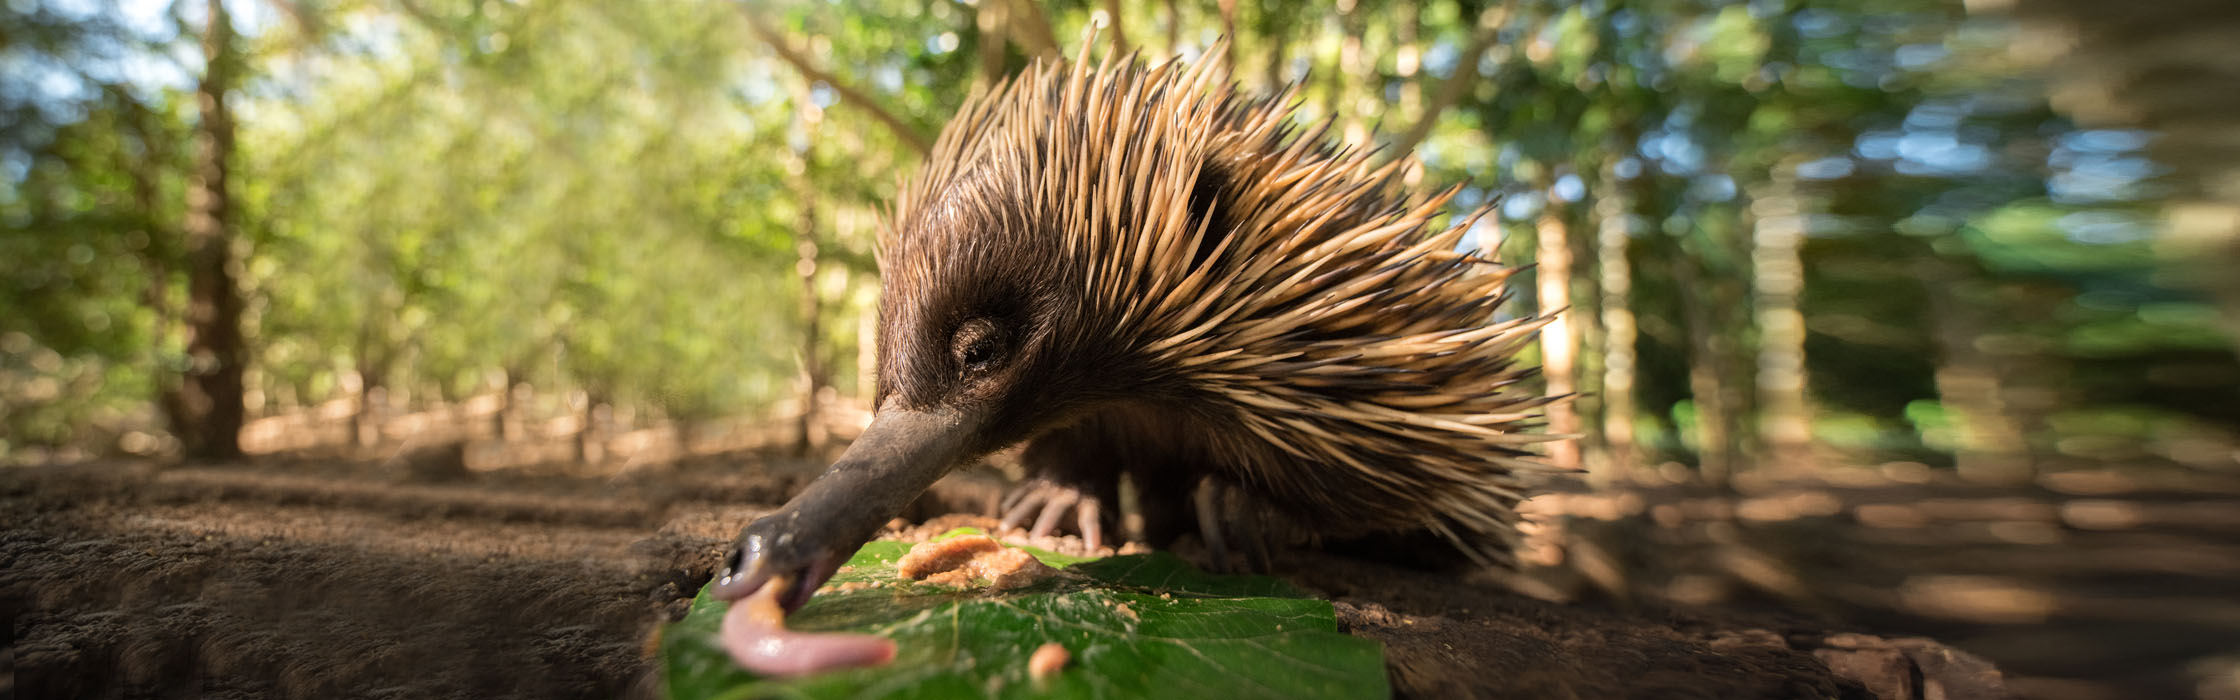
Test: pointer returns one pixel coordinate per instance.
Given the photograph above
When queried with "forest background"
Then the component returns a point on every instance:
(1786, 235)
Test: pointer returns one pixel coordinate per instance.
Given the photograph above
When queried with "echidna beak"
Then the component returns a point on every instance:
(805, 541)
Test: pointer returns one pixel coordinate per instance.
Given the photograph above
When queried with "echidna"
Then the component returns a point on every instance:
(1136, 270)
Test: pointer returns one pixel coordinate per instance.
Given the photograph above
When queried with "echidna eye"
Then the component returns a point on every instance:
(977, 345)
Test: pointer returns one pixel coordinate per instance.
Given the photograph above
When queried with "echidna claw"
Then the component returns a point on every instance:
(1048, 502)
(1052, 510)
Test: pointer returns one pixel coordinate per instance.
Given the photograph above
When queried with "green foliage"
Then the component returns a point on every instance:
(1135, 626)
(88, 229)
(607, 197)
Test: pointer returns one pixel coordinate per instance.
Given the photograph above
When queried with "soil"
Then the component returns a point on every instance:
(331, 579)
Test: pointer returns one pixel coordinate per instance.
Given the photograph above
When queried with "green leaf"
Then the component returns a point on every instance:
(1137, 625)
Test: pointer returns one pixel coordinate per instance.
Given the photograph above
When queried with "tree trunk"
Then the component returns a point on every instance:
(212, 393)
(1989, 444)
(1619, 333)
(808, 433)
(1334, 79)
(1407, 60)
(591, 434)
(1032, 30)
(1277, 70)
(1558, 348)
(372, 360)
(365, 423)
(1359, 70)
(992, 19)
(687, 431)
(1174, 28)
(499, 419)
(1585, 319)
(1119, 33)
(1228, 32)
(1776, 257)
(1707, 376)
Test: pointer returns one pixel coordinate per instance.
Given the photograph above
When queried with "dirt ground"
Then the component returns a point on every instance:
(280, 578)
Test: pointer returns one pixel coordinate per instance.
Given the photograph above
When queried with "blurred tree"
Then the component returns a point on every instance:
(90, 170)
(212, 396)
(808, 430)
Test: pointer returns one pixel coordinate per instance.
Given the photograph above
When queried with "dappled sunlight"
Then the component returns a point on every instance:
(1975, 599)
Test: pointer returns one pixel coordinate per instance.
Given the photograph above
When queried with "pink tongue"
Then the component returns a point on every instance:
(755, 634)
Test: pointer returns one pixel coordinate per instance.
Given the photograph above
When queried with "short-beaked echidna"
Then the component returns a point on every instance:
(1136, 270)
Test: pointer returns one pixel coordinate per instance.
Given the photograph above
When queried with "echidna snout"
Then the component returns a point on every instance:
(804, 543)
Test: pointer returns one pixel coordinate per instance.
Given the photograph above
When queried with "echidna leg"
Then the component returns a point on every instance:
(1252, 533)
(1048, 503)
(1163, 504)
(1067, 478)
(1228, 517)
(1208, 501)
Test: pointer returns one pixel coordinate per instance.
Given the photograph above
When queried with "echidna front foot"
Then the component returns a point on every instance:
(1072, 484)
(1048, 501)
